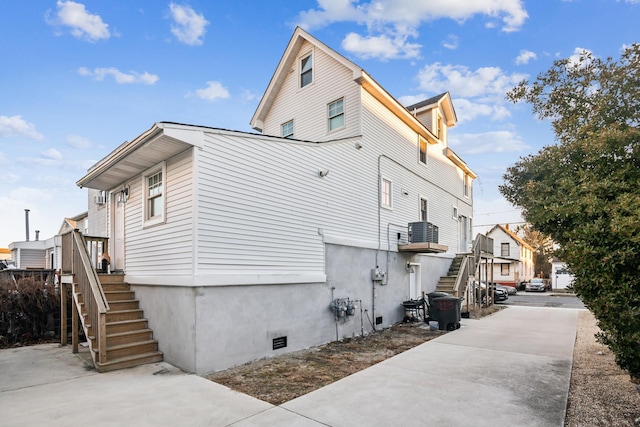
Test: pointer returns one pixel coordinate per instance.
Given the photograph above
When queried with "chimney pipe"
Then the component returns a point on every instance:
(26, 221)
(37, 235)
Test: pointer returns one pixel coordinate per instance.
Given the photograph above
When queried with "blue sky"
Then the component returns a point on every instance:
(79, 78)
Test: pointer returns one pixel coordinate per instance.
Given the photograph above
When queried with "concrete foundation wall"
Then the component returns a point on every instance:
(210, 328)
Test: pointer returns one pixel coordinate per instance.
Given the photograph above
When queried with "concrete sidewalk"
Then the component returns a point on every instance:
(509, 369)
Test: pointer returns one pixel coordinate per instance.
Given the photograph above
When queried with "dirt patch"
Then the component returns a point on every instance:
(280, 379)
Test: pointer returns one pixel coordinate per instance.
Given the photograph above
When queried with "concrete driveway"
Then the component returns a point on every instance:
(509, 369)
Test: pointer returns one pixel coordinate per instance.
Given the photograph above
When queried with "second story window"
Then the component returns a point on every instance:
(465, 184)
(385, 193)
(504, 249)
(336, 114)
(287, 129)
(424, 209)
(306, 70)
(423, 151)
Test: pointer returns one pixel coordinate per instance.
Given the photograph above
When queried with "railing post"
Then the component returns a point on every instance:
(74, 329)
(103, 337)
(63, 313)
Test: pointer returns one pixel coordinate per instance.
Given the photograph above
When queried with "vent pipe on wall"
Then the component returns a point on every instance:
(26, 221)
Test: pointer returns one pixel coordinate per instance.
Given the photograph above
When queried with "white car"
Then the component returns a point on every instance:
(535, 284)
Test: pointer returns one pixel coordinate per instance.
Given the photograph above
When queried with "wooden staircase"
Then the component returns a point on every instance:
(129, 341)
(447, 283)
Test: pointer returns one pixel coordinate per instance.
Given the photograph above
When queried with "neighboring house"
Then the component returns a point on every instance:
(561, 277)
(241, 246)
(513, 257)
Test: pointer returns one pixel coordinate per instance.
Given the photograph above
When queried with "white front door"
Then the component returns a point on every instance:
(117, 245)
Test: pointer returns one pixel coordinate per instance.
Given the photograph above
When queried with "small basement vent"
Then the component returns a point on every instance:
(280, 342)
(379, 320)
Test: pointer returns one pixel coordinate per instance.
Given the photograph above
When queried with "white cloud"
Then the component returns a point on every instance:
(120, 77)
(83, 24)
(467, 110)
(489, 142)
(76, 141)
(382, 47)
(488, 82)
(189, 27)
(397, 20)
(525, 56)
(51, 154)
(16, 126)
(451, 42)
(213, 91)
(579, 52)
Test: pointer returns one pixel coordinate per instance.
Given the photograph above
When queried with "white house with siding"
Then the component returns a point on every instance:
(241, 246)
(513, 257)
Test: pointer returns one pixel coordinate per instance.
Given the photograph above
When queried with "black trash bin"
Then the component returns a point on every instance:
(433, 310)
(448, 314)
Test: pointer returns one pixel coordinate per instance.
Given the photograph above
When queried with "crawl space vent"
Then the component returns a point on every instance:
(379, 320)
(280, 342)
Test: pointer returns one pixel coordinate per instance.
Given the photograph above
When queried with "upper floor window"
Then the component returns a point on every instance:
(306, 70)
(440, 127)
(423, 151)
(287, 129)
(336, 114)
(504, 249)
(466, 185)
(154, 190)
(385, 193)
(424, 209)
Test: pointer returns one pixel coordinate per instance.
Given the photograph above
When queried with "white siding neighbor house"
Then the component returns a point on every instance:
(247, 245)
(561, 277)
(513, 257)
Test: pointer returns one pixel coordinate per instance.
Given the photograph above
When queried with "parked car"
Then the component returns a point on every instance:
(536, 284)
(499, 294)
(510, 290)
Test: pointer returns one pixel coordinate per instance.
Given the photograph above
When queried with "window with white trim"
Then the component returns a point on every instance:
(504, 269)
(336, 114)
(153, 183)
(504, 249)
(287, 129)
(465, 184)
(424, 209)
(455, 213)
(386, 199)
(423, 151)
(306, 70)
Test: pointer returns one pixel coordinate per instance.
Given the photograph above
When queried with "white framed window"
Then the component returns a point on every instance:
(465, 184)
(440, 127)
(154, 195)
(306, 70)
(504, 249)
(422, 154)
(455, 213)
(335, 112)
(504, 269)
(386, 197)
(287, 129)
(424, 209)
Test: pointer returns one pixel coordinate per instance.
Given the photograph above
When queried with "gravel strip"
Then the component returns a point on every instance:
(600, 394)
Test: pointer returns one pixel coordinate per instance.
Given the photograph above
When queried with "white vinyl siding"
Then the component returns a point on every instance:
(331, 81)
(166, 249)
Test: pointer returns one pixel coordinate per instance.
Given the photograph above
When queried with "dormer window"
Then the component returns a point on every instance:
(306, 70)
(440, 128)
(423, 151)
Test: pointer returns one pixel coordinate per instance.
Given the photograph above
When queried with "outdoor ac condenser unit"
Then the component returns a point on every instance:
(423, 232)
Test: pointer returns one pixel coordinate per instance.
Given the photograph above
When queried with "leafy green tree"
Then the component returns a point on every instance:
(584, 192)
(542, 249)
